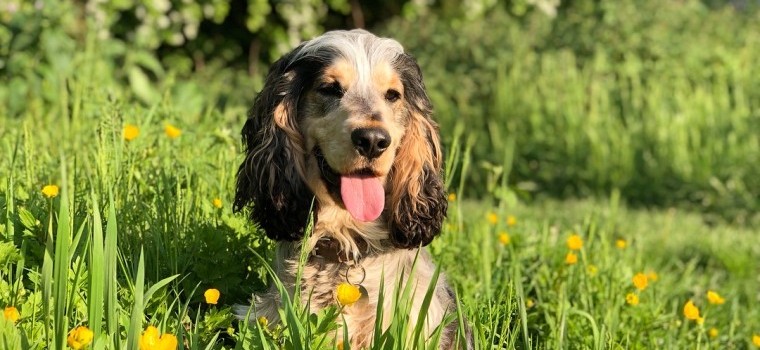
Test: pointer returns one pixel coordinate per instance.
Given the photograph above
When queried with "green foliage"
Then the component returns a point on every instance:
(655, 102)
(607, 95)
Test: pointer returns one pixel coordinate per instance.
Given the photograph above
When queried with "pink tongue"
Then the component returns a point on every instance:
(363, 196)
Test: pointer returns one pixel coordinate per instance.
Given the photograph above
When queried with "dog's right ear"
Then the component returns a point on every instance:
(271, 176)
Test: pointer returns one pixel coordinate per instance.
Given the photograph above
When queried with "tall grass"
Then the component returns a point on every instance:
(657, 100)
(161, 232)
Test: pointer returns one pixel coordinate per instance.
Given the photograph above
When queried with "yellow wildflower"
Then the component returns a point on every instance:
(691, 311)
(592, 270)
(652, 276)
(217, 202)
(452, 197)
(504, 238)
(79, 337)
(640, 281)
(263, 321)
(50, 191)
(713, 332)
(529, 303)
(152, 340)
(131, 132)
(621, 244)
(211, 295)
(756, 340)
(339, 346)
(172, 131)
(715, 298)
(11, 314)
(347, 294)
(511, 221)
(632, 299)
(571, 258)
(574, 242)
(492, 218)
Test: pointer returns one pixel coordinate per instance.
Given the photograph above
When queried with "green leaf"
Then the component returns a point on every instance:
(27, 218)
(141, 85)
(8, 253)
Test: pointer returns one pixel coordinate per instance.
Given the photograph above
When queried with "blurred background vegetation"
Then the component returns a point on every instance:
(659, 100)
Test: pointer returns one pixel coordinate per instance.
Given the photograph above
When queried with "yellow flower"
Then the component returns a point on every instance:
(715, 298)
(529, 303)
(492, 218)
(347, 294)
(504, 238)
(172, 131)
(131, 132)
(574, 242)
(452, 197)
(211, 295)
(339, 346)
(621, 244)
(79, 337)
(511, 221)
(217, 202)
(571, 258)
(11, 314)
(691, 311)
(151, 340)
(50, 191)
(653, 276)
(640, 281)
(263, 321)
(713, 332)
(592, 270)
(756, 340)
(632, 299)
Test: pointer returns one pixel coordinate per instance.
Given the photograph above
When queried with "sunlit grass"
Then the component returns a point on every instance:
(67, 267)
(138, 226)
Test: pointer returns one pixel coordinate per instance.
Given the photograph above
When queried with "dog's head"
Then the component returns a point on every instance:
(344, 118)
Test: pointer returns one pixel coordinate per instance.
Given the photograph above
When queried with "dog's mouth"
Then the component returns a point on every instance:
(361, 191)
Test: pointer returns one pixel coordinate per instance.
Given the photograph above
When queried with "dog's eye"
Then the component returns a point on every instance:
(331, 89)
(392, 95)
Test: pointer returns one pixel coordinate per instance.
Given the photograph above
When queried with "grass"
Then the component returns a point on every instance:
(623, 96)
(163, 242)
(142, 227)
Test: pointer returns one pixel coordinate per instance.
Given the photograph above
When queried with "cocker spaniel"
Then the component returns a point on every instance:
(342, 135)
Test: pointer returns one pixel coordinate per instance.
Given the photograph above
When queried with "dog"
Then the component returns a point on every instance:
(341, 136)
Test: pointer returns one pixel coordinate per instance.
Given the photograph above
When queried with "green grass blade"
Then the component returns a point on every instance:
(154, 288)
(135, 322)
(61, 267)
(97, 279)
(111, 282)
(422, 317)
(47, 280)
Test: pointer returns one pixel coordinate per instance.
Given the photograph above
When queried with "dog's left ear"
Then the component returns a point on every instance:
(418, 200)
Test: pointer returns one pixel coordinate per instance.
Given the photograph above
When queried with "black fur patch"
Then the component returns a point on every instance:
(413, 228)
(267, 179)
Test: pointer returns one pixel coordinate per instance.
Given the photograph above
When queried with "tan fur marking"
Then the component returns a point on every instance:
(385, 77)
(414, 154)
(341, 71)
(295, 140)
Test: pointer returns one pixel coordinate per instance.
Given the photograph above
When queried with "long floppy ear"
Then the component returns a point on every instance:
(418, 200)
(271, 176)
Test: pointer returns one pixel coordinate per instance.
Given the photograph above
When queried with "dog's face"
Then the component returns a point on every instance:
(356, 116)
(344, 118)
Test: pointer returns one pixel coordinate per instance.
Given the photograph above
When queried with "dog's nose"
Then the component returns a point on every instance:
(371, 142)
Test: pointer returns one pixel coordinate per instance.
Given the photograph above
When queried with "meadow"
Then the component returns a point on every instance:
(602, 193)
